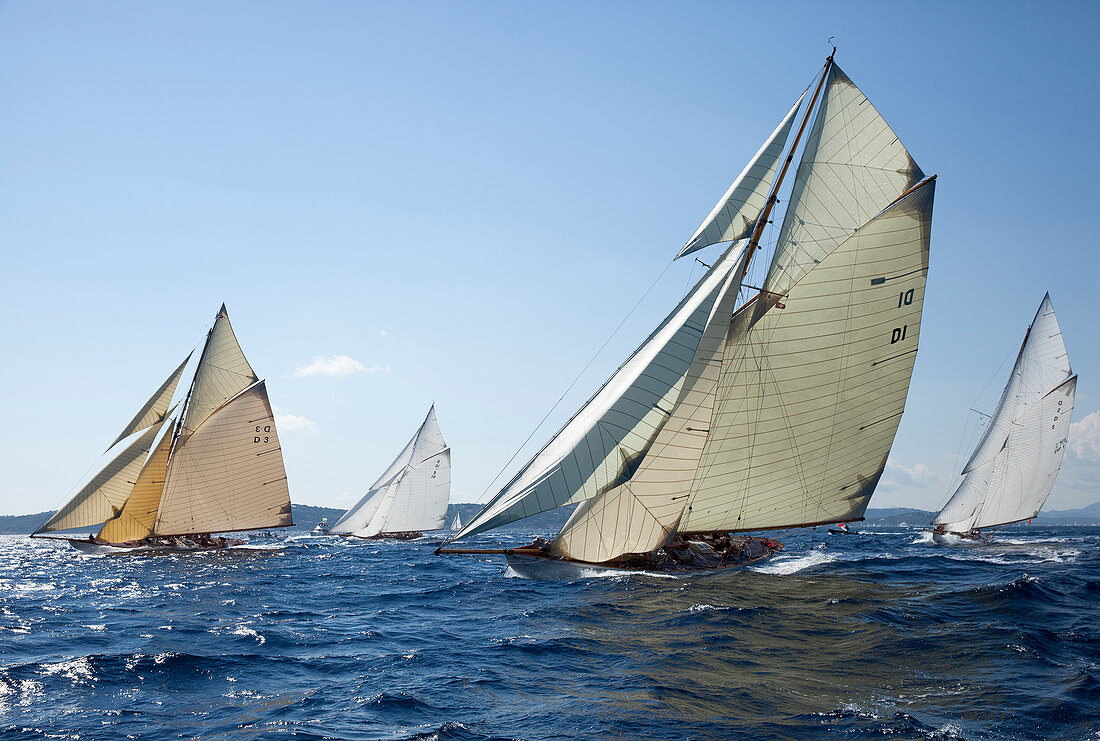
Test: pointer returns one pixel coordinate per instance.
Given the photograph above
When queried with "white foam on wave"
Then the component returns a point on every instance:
(244, 630)
(784, 565)
(708, 608)
(77, 670)
(923, 537)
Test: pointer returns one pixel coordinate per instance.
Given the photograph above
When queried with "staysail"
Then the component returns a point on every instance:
(222, 373)
(412, 493)
(103, 496)
(605, 440)
(1015, 464)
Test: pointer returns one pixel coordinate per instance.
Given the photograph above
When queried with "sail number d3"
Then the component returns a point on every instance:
(262, 438)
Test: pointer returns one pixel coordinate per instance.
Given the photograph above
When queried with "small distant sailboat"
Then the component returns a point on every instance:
(456, 523)
(1013, 468)
(215, 467)
(411, 496)
(774, 412)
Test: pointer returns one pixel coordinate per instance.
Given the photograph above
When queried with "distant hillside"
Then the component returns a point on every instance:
(306, 516)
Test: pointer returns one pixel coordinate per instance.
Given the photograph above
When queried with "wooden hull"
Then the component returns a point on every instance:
(529, 563)
(113, 549)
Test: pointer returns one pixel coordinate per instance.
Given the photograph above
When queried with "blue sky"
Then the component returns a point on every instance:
(458, 202)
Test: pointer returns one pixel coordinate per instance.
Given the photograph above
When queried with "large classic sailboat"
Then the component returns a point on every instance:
(1012, 471)
(214, 467)
(411, 496)
(776, 411)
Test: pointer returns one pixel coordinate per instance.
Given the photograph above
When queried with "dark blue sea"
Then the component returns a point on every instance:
(882, 635)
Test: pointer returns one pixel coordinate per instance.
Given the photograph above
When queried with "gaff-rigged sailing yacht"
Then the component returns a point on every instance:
(215, 467)
(1012, 470)
(772, 414)
(411, 496)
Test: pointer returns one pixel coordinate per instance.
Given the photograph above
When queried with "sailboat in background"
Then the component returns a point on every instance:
(215, 467)
(1012, 471)
(774, 412)
(411, 496)
(456, 523)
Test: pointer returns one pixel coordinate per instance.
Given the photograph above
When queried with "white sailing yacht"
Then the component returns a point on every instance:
(1011, 472)
(411, 496)
(214, 467)
(770, 412)
(456, 523)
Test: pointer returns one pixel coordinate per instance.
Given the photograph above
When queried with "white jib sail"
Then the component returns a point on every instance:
(814, 385)
(735, 215)
(456, 524)
(228, 475)
(1013, 468)
(156, 407)
(413, 493)
(598, 445)
(641, 513)
(102, 497)
(853, 167)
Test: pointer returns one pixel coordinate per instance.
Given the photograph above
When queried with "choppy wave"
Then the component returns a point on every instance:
(882, 636)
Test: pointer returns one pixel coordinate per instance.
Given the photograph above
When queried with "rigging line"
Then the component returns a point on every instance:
(569, 388)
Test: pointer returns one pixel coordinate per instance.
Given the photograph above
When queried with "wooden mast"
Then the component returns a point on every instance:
(754, 240)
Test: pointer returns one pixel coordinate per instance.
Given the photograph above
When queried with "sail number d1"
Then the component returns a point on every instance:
(262, 434)
(898, 334)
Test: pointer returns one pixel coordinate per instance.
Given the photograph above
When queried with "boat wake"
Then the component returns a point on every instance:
(785, 565)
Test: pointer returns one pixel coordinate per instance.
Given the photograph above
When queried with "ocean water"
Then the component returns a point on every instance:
(882, 635)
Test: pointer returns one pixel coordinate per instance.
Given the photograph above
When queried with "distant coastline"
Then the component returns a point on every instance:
(306, 516)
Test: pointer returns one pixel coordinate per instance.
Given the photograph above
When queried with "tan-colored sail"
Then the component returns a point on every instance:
(228, 474)
(103, 496)
(643, 512)
(222, 373)
(853, 167)
(156, 408)
(135, 520)
(814, 384)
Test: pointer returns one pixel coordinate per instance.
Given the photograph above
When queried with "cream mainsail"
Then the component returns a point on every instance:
(217, 466)
(413, 492)
(1015, 464)
(780, 412)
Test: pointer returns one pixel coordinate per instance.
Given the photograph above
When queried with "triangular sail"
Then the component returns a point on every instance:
(228, 475)
(640, 514)
(1013, 468)
(222, 373)
(602, 442)
(103, 496)
(735, 215)
(813, 386)
(135, 520)
(156, 408)
(456, 523)
(412, 493)
(853, 167)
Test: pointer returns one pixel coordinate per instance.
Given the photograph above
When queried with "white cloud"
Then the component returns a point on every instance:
(916, 475)
(334, 366)
(292, 422)
(1084, 438)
